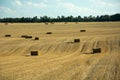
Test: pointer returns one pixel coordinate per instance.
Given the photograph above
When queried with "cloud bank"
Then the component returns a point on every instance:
(55, 8)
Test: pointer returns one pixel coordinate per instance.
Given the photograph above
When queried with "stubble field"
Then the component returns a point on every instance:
(59, 58)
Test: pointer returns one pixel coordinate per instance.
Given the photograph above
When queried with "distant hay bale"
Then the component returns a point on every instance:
(97, 50)
(76, 40)
(28, 37)
(49, 33)
(6, 23)
(82, 30)
(65, 22)
(24, 36)
(52, 22)
(76, 22)
(36, 38)
(7, 35)
(46, 23)
(34, 53)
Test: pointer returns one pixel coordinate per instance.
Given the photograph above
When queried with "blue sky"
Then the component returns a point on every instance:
(54, 8)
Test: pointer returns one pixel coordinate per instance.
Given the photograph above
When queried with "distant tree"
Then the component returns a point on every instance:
(104, 18)
(97, 18)
(70, 18)
(58, 19)
(85, 19)
(115, 17)
(90, 18)
(63, 19)
(34, 19)
(79, 18)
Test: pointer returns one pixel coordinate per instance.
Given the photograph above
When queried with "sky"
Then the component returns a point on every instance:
(54, 8)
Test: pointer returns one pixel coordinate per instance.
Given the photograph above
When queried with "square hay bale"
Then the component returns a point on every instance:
(24, 36)
(65, 23)
(46, 23)
(76, 40)
(6, 23)
(7, 35)
(49, 33)
(82, 30)
(97, 50)
(36, 38)
(34, 53)
(76, 22)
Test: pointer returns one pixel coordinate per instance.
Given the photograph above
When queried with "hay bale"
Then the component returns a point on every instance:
(49, 33)
(28, 37)
(97, 50)
(36, 38)
(82, 30)
(6, 23)
(76, 22)
(52, 22)
(24, 36)
(65, 22)
(76, 40)
(34, 53)
(7, 35)
(46, 23)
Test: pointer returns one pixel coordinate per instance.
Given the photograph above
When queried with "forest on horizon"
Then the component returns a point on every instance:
(35, 19)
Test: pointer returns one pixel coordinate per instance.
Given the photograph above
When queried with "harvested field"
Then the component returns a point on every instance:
(58, 60)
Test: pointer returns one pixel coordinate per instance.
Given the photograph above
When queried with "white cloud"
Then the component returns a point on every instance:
(6, 10)
(61, 7)
(101, 3)
(29, 4)
(19, 3)
(58, 0)
(78, 10)
(38, 5)
(45, 1)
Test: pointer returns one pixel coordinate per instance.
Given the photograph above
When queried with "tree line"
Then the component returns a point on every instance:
(115, 17)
